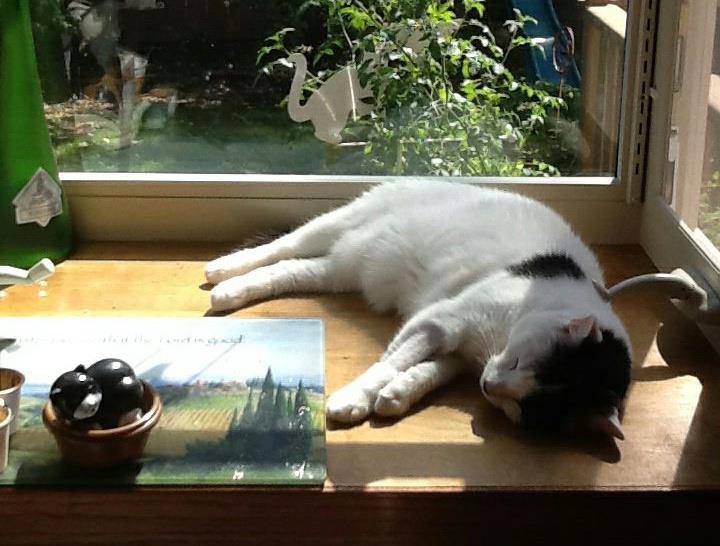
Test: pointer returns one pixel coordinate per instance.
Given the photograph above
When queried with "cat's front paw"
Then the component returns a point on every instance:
(225, 297)
(219, 270)
(349, 405)
(393, 400)
(231, 265)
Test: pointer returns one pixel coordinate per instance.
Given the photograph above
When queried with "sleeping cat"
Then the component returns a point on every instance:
(484, 280)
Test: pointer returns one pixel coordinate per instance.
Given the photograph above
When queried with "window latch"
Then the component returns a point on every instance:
(679, 64)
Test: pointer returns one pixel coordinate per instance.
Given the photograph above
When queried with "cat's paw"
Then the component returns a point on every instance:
(393, 400)
(232, 265)
(227, 295)
(349, 405)
(218, 270)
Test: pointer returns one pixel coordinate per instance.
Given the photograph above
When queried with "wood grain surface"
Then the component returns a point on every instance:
(424, 478)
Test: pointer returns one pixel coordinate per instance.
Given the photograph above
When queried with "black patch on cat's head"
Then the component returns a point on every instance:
(574, 382)
(548, 266)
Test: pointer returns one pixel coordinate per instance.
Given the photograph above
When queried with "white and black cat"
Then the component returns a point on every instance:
(483, 279)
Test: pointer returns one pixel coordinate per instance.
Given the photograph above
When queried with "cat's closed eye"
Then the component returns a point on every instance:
(514, 366)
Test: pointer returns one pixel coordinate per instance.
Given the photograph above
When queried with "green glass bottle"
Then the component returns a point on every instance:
(34, 218)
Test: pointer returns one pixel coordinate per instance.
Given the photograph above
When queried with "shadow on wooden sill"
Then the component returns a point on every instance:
(672, 426)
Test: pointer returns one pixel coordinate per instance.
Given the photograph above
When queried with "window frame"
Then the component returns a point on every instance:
(668, 240)
(211, 207)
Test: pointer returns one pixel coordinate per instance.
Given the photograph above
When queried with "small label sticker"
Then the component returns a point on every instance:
(39, 201)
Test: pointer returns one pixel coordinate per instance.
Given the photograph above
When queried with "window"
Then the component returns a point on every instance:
(182, 124)
(391, 87)
(692, 178)
(680, 225)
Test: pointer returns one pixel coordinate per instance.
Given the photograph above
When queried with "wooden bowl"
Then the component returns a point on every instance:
(108, 447)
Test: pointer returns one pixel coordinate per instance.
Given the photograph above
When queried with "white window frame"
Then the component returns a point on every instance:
(670, 241)
(167, 206)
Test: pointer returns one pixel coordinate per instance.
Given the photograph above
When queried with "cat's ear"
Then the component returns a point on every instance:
(607, 424)
(576, 330)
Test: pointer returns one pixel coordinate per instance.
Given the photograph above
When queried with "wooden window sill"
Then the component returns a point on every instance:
(453, 443)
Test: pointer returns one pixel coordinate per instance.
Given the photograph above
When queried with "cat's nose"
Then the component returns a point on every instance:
(495, 388)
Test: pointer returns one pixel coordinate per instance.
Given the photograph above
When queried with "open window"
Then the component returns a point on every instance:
(165, 111)
(681, 214)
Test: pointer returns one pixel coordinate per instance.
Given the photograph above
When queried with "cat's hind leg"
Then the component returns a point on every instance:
(286, 276)
(409, 386)
(313, 239)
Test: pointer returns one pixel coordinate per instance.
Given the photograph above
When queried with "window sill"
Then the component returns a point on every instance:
(454, 441)
(199, 207)
(269, 186)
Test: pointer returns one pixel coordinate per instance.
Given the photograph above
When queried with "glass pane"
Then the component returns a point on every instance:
(709, 210)
(399, 87)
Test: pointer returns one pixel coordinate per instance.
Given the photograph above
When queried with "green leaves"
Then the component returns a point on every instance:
(358, 19)
(276, 42)
(445, 102)
(328, 48)
(440, 11)
(476, 5)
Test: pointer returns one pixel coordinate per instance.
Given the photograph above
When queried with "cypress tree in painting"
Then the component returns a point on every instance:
(234, 428)
(247, 415)
(264, 415)
(302, 424)
(290, 406)
(300, 398)
(235, 420)
(282, 419)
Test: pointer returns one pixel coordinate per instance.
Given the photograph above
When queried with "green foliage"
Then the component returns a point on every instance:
(445, 101)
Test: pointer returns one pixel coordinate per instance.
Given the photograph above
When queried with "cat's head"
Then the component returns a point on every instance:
(559, 374)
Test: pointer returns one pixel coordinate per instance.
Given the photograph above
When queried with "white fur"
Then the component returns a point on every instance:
(436, 252)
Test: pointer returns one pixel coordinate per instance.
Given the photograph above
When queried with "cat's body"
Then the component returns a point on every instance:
(482, 278)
